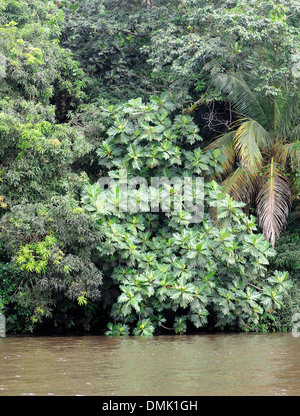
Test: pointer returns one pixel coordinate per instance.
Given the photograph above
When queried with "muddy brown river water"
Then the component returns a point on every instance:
(193, 365)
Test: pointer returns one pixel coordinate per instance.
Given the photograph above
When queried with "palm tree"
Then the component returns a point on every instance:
(260, 151)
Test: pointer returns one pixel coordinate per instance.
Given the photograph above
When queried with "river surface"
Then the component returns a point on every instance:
(193, 365)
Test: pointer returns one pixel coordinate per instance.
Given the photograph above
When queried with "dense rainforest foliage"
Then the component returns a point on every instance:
(107, 107)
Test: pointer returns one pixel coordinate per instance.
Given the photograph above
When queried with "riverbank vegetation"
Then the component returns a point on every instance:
(135, 90)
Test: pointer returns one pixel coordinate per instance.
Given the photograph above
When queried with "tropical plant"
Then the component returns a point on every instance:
(117, 330)
(48, 248)
(259, 149)
(70, 254)
(167, 271)
(164, 267)
(206, 38)
(107, 37)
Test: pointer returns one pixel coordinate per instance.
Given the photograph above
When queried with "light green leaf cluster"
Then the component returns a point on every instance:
(162, 263)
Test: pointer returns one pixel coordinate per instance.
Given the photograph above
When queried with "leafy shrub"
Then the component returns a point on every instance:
(49, 247)
(162, 263)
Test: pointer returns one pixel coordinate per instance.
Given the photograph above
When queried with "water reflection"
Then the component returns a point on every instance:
(202, 365)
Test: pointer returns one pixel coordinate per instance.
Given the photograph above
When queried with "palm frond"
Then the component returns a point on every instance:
(240, 185)
(273, 201)
(250, 138)
(226, 145)
(283, 152)
(243, 99)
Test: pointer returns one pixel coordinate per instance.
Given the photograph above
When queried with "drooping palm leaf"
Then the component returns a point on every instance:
(282, 152)
(286, 153)
(243, 99)
(250, 138)
(226, 145)
(240, 185)
(273, 201)
(267, 125)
